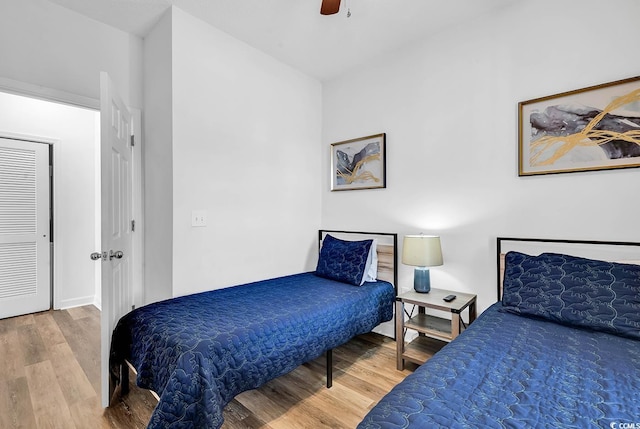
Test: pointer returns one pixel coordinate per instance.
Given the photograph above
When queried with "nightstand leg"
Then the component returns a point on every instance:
(455, 325)
(421, 310)
(399, 335)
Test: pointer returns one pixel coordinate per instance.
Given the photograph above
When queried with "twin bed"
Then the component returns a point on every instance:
(198, 352)
(560, 348)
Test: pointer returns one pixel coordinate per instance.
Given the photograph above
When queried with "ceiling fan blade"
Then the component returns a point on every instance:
(329, 7)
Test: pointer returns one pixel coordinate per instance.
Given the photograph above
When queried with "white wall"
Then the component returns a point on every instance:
(245, 133)
(74, 129)
(244, 130)
(44, 44)
(449, 107)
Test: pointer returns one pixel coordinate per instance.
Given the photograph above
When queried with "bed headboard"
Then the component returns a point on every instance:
(612, 251)
(387, 250)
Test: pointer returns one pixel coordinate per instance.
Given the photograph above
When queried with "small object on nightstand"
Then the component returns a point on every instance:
(449, 298)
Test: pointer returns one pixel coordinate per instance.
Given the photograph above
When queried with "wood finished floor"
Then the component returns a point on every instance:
(50, 378)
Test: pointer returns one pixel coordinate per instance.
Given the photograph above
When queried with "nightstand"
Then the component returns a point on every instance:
(432, 330)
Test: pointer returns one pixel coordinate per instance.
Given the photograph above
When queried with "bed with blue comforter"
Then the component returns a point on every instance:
(198, 352)
(561, 350)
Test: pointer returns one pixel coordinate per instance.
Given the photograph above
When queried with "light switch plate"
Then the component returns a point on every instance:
(198, 218)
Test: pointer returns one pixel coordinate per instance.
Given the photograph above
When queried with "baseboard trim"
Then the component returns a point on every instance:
(76, 302)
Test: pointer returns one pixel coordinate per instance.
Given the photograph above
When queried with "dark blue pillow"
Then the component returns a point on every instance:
(599, 295)
(344, 261)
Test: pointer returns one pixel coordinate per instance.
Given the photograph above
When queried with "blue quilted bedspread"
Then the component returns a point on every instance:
(509, 371)
(199, 351)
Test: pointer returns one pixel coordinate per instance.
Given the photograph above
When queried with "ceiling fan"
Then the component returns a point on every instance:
(329, 7)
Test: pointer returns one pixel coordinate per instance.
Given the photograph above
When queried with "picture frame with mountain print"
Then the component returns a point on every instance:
(359, 163)
(594, 128)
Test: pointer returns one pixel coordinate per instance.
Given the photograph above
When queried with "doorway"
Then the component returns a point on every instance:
(73, 134)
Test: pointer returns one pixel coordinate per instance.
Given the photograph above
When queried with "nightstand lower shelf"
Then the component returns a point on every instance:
(422, 349)
(430, 325)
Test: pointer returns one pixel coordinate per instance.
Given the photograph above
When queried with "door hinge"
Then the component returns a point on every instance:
(133, 225)
(133, 142)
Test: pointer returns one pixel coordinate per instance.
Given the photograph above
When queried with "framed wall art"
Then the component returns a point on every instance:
(595, 128)
(359, 163)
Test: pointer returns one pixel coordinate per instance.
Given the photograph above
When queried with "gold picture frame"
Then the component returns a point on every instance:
(359, 163)
(594, 128)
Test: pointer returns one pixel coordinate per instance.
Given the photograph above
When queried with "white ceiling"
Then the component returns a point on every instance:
(294, 32)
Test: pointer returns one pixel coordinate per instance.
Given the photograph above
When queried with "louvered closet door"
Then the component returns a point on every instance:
(24, 228)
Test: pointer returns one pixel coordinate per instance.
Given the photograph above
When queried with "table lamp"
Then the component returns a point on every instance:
(421, 251)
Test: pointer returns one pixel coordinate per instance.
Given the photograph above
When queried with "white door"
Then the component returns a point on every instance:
(25, 264)
(117, 234)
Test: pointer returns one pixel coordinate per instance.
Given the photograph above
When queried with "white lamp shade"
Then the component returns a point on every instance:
(421, 251)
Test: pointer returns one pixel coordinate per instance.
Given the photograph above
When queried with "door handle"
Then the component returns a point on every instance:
(117, 254)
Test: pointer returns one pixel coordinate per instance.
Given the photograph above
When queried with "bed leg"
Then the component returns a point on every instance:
(124, 379)
(329, 368)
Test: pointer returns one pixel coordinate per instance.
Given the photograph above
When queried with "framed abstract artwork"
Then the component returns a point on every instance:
(594, 128)
(359, 163)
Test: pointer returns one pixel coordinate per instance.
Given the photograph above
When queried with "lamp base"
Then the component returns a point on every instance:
(421, 280)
